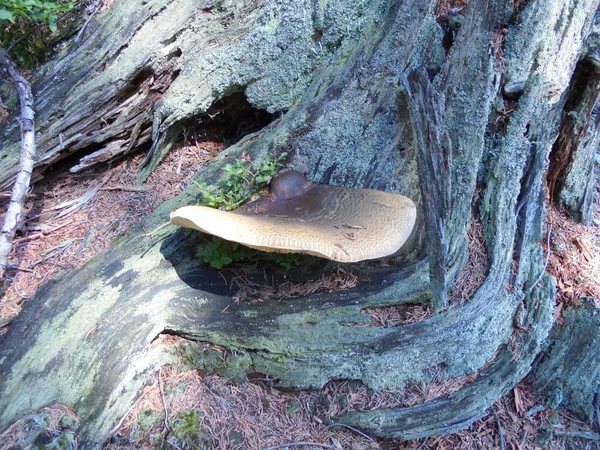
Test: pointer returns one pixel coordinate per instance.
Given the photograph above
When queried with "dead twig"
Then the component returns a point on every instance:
(298, 444)
(52, 252)
(157, 229)
(548, 252)
(367, 437)
(22, 269)
(500, 430)
(162, 395)
(26, 157)
(16, 288)
(4, 322)
(78, 203)
(124, 187)
(92, 14)
(423, 444)
(577, 434)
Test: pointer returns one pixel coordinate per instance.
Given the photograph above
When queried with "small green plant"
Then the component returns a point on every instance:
(220, 253)
(240, 182)
(240, 185)
(286, 260)
(28, 28)
(269, 168)
(189, 432)
(34, 11)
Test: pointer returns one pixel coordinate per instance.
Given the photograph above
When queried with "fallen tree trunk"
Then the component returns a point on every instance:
(335, 71)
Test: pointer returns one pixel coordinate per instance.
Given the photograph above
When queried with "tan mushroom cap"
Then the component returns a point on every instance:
(333, 222)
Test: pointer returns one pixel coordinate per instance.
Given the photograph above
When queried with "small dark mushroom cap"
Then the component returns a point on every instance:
(333, 222)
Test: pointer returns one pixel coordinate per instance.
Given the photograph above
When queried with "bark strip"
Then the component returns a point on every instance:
(433, 149)
(27, 156)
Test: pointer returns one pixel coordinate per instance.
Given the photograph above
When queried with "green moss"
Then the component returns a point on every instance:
(35, 434)
(207, 360)
(147, 419)
(188, 431)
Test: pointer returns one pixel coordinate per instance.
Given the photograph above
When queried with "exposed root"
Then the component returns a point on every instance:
(257, 416)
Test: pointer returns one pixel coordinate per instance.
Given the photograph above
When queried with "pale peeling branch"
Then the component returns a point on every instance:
(27, 156)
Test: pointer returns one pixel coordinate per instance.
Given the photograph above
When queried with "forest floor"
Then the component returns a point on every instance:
(72, 217)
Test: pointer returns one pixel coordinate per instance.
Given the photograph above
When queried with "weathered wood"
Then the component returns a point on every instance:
(569, 374)
(434, 153)
(570, 177)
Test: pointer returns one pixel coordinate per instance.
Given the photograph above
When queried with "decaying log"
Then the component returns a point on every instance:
(27, 156)
(87, 339)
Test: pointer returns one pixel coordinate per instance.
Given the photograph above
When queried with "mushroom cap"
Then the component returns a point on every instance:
(333, 222)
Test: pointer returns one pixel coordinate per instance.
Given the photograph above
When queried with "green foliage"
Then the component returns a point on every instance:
(34, 10)
(269, 168)
(26, 27)
(220, 253)
(188, 431)
(239, 185)
(286, 260)
(240, 182)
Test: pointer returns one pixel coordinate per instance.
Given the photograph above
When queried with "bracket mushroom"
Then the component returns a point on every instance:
(333, 222)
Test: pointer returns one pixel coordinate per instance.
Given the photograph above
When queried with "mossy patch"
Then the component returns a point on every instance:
(211, 361)
(37, 432)
(188, 432)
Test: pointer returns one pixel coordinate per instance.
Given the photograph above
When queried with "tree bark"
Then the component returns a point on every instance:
(335, 71)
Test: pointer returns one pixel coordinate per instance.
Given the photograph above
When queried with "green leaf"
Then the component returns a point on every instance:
(6, 15)
(52, 24)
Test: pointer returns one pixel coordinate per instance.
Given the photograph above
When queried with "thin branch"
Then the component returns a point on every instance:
(423, 444)
(500, 430)
(366, 436)
(164, 401)
(92, 14)
(548, 251)
(577, 434)
(27, 155)
(299, 444)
